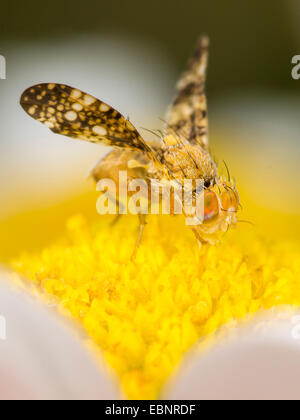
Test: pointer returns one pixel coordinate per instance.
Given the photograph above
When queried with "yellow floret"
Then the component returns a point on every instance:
(145, 314)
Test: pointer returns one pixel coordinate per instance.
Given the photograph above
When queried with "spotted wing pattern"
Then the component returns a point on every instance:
(187, 116)
(73, 113)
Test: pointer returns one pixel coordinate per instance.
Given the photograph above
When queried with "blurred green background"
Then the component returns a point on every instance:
(253, 41)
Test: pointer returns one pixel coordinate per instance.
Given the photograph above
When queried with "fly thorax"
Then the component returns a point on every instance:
(186, 161)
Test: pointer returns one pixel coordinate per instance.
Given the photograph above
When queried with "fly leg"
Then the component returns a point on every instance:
(120, 208)
(142, 220)
(115, 219)
(200, 240)
(202, 254)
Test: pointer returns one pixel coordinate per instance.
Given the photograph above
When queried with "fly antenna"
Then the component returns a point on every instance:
(227, 170)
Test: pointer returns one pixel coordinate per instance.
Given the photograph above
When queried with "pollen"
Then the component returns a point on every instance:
(144, 315)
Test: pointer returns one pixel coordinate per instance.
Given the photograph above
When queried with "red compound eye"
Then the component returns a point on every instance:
(211, 206)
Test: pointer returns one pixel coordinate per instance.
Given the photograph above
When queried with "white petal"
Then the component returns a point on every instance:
(257, 361)
(42, 357)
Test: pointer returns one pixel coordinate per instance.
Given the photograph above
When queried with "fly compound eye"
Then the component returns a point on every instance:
(229, 201)
(211, 206)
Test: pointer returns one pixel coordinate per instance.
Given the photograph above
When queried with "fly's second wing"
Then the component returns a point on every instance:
(187, 115)
(73, 113)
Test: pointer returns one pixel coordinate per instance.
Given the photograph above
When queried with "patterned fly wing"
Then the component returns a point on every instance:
(187, 115)
(76, 114)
